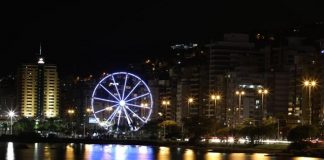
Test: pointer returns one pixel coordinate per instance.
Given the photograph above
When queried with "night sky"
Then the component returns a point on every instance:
(82, 37)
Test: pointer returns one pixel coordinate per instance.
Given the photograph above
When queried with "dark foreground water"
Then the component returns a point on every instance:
(70, 151)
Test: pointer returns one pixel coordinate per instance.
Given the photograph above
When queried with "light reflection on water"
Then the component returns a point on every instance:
(164, 153)
(260, 156)
(189, 154)
(10, 151)
(237, 156)
(304, 158)
(72, 151)
(69, 151)
(213, 156)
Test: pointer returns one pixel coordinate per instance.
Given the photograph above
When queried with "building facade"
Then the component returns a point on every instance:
(38, 90)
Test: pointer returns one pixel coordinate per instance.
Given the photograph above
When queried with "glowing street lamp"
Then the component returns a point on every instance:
(190, 100)
(11, 114)
(262, 92)
(214, 97)
(310, 84)
(240, 94)
(165, 103)
(88, 111)
(71, 112)
(143, 106)
(109, 109)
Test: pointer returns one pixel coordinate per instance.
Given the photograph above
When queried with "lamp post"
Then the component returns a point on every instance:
(11, 114)
(215, 97)
(310, 84)
(71, 112)
(165, 103)
(190, 100)
(88, 111)
(263, 92)
(239, 94)
(109, 109)
(143, 105)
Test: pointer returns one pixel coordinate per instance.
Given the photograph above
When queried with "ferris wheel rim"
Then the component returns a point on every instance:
(122, 97)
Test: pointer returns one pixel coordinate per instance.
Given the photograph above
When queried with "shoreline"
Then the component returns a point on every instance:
(226, 148)
(270, 149)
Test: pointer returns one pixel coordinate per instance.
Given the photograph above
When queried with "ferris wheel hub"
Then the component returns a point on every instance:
(122, 103)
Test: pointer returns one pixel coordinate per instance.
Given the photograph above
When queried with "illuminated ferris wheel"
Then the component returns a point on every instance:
(122, 102)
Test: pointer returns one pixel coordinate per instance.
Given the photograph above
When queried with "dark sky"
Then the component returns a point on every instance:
(84, 37)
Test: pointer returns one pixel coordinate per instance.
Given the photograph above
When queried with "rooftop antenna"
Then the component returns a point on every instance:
(40, 49)
(40, 59)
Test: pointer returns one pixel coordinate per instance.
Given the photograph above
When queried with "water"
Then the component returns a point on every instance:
(70, 151)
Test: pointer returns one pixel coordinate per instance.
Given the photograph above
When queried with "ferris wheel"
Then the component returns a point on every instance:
(122, 102)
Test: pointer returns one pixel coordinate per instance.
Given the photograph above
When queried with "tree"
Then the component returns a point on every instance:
(24, 125)
(4, 128)
(151, 128)
(51, 125)
(198, 127)
(250, 131)
(302, 133)
(171, 129)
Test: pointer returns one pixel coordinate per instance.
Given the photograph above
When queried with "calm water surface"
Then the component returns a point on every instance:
(70, 151)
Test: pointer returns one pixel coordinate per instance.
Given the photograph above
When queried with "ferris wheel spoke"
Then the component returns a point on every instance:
(132, 90)
(119, 115)
(115, 84)
(135, 114)
(105, 109)
(124, 86)
(143, 95)
(127, 117)
(100, 111)
(103, 99)
(112, 116)
(109, 92)
(139, 106)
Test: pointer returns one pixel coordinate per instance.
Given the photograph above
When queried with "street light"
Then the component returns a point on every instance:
(88, 111)
(143, 106)
(11, 114)
(310, 84)
(109, 109)
(240, 94)
(165, 103)
(215, 97)
(71, 112)
(190, 100)
(262, 92)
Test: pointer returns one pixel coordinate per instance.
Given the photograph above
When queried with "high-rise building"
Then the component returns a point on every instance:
(38, 90)
(234, 62)
(287, 66)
